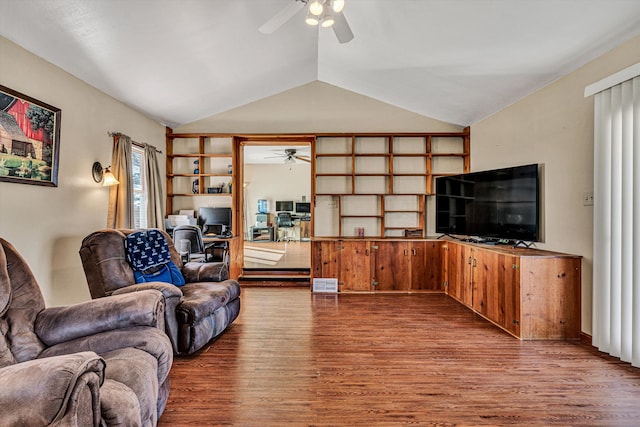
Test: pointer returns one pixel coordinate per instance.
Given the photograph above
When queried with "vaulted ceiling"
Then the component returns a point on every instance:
(453, 60)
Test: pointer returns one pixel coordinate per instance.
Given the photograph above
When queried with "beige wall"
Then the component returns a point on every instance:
(317, 107)
(554, 127)
(47, 224)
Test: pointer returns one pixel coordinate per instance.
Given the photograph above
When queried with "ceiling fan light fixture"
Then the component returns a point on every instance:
(327, 22)
(337, 5)
(312, 19)
(289, 160)
(316, 7)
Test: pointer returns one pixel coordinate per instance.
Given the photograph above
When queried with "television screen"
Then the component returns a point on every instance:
(214, 220)
(498, 204)
(303, 207)
(284, 206)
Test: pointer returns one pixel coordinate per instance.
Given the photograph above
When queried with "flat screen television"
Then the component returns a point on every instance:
(284, 206)
(303, 207)
(494, 204)
(215, 220)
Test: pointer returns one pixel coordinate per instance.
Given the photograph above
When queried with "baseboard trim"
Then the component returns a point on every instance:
(586, 339)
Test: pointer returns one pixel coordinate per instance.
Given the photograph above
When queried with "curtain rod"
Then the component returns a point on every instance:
(139, 144)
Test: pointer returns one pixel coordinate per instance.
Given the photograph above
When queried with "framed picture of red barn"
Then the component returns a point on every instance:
(29, 139)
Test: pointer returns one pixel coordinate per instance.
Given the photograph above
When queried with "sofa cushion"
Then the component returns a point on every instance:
(203, 298)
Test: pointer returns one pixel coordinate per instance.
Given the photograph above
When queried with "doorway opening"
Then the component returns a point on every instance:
(276, 211)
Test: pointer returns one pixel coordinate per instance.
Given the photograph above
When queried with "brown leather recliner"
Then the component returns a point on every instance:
(96, 363)
(195, 313)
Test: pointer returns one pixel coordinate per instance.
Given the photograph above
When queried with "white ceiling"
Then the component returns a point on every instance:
(453, 60)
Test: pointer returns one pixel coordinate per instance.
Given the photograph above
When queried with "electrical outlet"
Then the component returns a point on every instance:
(587, 198)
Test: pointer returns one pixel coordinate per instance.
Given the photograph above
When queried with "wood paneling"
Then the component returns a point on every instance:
(390, 265)
(550, 296)
(459, 273)
(426, 265)
(298, 359)
(355, 266)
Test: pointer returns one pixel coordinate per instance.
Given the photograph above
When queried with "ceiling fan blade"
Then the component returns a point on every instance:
(304, 159)
(341, 29)
(281, 17)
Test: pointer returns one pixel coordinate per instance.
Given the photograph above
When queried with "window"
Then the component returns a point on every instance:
(139, 187)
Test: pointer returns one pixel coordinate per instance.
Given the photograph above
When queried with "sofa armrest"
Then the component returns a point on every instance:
(205, 272)
(61, 390)
(166, 289)
(55, 325)
(172, 298)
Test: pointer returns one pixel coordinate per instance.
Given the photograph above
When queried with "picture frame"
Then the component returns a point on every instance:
(29, 139)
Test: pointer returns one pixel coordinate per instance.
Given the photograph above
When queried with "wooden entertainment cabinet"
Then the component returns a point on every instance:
(529, 293)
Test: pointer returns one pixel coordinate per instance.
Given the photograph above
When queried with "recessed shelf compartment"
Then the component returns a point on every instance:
(398, 170)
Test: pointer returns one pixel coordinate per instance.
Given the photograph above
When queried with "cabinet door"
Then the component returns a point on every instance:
(355, 266)
(495, 290)
(460, 273)
(390, 266)
(426, 265)
(324, 256)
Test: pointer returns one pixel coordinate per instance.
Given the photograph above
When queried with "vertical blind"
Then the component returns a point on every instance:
(616, 252)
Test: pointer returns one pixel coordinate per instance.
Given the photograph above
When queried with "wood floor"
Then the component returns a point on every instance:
(294, 358)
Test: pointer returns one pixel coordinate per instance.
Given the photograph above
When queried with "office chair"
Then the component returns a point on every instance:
(283, 220)
(196, 250)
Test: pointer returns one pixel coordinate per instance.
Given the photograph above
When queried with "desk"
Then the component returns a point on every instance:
(233, 255)
(219, 244)
(262, 234)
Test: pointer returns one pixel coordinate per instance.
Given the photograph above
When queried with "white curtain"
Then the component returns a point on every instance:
(616, 252)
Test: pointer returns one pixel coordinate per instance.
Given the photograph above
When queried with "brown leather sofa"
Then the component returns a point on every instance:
(195, 313)
(96, 363)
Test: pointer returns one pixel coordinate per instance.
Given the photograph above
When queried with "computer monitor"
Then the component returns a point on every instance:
(284, 206)
(215, 220)
(303, 207)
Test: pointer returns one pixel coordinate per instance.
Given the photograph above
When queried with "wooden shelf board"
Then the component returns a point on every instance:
(449, 154)
(373, 194)
(334, 155)
(203, 155)
(173, 175)
(198, 194)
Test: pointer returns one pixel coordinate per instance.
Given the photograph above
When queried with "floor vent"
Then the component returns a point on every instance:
(325, 285)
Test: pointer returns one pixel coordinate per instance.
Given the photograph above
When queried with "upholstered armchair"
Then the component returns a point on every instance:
(195, 313)
(97, 363)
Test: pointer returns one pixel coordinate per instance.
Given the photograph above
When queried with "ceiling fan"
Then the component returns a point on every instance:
(325, 13)
(290, 156)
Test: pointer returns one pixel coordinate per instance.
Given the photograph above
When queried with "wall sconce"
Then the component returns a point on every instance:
(99, 173)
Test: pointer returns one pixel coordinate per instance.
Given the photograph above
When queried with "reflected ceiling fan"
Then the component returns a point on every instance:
(325, 13)
(290, 156)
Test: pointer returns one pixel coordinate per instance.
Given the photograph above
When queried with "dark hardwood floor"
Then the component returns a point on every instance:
(294, 358)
